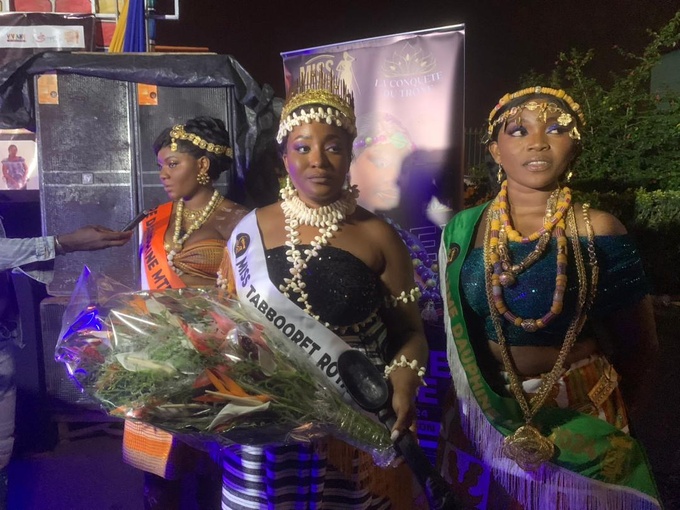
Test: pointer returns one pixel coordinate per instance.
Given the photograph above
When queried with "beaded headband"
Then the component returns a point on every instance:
(564, 119)
(335, 103)
(178, 133)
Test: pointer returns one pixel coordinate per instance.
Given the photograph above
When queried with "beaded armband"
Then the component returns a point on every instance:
(404, 363)
(405, 297)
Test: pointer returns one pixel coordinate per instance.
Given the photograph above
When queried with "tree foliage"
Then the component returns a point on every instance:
(632, 139)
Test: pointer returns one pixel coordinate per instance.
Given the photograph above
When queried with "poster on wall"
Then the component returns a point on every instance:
(408, 159)
(18, 152)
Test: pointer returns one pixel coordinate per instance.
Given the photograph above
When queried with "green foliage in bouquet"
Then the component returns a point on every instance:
(192, 362)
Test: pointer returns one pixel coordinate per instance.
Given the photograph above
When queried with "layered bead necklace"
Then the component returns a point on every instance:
(527, 446)
(505, 273)
(326, 219)
(199, 219)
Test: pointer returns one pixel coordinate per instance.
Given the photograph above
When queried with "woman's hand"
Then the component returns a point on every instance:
(405, 383)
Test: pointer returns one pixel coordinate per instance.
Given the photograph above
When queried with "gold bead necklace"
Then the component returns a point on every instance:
(178, 239)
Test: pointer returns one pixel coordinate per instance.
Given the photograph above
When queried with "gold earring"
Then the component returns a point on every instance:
(203, 178)
(499, 175)
(570, 174)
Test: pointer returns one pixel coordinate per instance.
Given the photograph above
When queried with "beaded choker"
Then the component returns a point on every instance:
(178, 240)
(326, 219)
(326, 216)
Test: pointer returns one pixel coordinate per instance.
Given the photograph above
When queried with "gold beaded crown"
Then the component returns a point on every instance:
(333, 103)
(178, 133)
(564, 119)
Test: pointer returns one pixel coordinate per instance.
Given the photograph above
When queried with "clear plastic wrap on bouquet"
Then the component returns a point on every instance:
(195, 363)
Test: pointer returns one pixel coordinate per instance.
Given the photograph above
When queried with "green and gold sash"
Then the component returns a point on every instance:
(591, 455)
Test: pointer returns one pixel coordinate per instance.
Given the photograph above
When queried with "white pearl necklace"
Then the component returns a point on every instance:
(177, 241)
(326, 219)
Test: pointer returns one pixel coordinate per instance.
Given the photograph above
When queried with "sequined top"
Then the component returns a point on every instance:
(622, 282)
(201, 259)
(342, 289)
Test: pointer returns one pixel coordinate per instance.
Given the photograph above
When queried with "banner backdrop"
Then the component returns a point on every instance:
(408, 158)
(23, 34)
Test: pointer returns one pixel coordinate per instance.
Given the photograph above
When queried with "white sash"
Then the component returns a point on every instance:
(255, 289)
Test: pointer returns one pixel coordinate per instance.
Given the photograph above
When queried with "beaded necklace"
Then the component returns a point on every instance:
(188, 215)
(504, 274)
(326, 219)
(178, 240)
(527, 446)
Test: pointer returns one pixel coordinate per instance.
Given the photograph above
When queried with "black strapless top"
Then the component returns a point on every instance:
(342, 289)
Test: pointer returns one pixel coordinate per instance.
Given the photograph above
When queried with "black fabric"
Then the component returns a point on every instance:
(342, 289)
(257, 109)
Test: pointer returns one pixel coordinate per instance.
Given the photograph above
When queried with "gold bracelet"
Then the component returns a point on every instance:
(404, 363)
(58, 248)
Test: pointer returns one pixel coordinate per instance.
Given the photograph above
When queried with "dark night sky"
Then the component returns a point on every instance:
(504, 38)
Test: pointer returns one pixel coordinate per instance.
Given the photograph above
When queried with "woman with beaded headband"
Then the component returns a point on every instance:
(345, 278)
(550, 326)
(182, 245)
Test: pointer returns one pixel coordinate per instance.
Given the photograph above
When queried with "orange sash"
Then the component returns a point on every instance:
(159, 274)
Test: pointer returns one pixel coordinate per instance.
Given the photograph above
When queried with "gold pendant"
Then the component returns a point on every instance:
(528, 448)
(507, 279)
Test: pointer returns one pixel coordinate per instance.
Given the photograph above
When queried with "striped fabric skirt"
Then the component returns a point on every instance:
(324, 475)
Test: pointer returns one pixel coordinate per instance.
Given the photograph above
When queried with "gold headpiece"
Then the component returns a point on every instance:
(335, 103)
(178, 133)
(564, 119)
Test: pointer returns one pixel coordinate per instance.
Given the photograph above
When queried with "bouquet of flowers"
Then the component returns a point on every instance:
(195, 363)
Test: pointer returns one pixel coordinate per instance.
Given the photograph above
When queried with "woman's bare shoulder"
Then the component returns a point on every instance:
(227, 216)
(229, 206)
(373, 224)
(604, 223)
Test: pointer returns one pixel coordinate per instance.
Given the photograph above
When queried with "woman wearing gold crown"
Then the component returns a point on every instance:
(550, 325)
(182, 245)
(344, 277)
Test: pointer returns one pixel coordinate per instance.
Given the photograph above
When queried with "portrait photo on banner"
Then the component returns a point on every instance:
(18, 152)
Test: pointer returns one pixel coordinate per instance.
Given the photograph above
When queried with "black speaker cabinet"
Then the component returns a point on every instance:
(96, 161)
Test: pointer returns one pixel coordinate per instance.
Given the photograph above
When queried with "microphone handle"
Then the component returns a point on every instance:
(438, 491)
